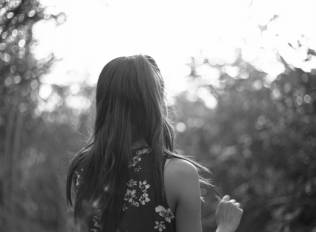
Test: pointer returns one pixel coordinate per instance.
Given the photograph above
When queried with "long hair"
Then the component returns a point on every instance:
(130, 104)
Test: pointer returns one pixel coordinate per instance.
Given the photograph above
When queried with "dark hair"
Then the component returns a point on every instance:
(130, 104)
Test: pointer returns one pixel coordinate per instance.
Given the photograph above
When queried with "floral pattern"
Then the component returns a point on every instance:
(165, 213)
(136, 159)
(160, 226)
(138, 193)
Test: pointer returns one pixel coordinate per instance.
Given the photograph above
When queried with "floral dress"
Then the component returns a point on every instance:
(142, 212)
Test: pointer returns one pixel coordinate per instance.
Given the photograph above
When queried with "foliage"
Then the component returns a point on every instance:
(260, 143)
(259, 140)
(29, 185)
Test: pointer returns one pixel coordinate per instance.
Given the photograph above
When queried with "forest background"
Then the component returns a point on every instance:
(258, 135)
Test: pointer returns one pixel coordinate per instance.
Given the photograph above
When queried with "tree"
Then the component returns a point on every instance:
(20, 76)
(259, 142)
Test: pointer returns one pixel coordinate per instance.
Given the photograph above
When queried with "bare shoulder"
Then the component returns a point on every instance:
(181, 178)
(178, 168)
(183, 189)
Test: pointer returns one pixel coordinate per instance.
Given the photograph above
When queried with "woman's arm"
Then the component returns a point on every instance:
(182, 184)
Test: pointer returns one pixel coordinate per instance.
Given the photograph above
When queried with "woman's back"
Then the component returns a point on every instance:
(143, 208)
(119, 188)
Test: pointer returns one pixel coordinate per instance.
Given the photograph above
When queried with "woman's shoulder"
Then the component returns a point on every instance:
(180, 174)
(181, 181)
(177, 167)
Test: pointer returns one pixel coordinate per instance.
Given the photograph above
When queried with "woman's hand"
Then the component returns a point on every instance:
(228, 215)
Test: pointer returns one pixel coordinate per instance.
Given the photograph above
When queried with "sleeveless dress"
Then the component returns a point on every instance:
(142, 212)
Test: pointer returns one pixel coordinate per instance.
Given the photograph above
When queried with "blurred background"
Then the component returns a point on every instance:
(241, 83)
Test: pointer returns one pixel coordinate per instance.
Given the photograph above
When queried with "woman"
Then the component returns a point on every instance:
(128, 177)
